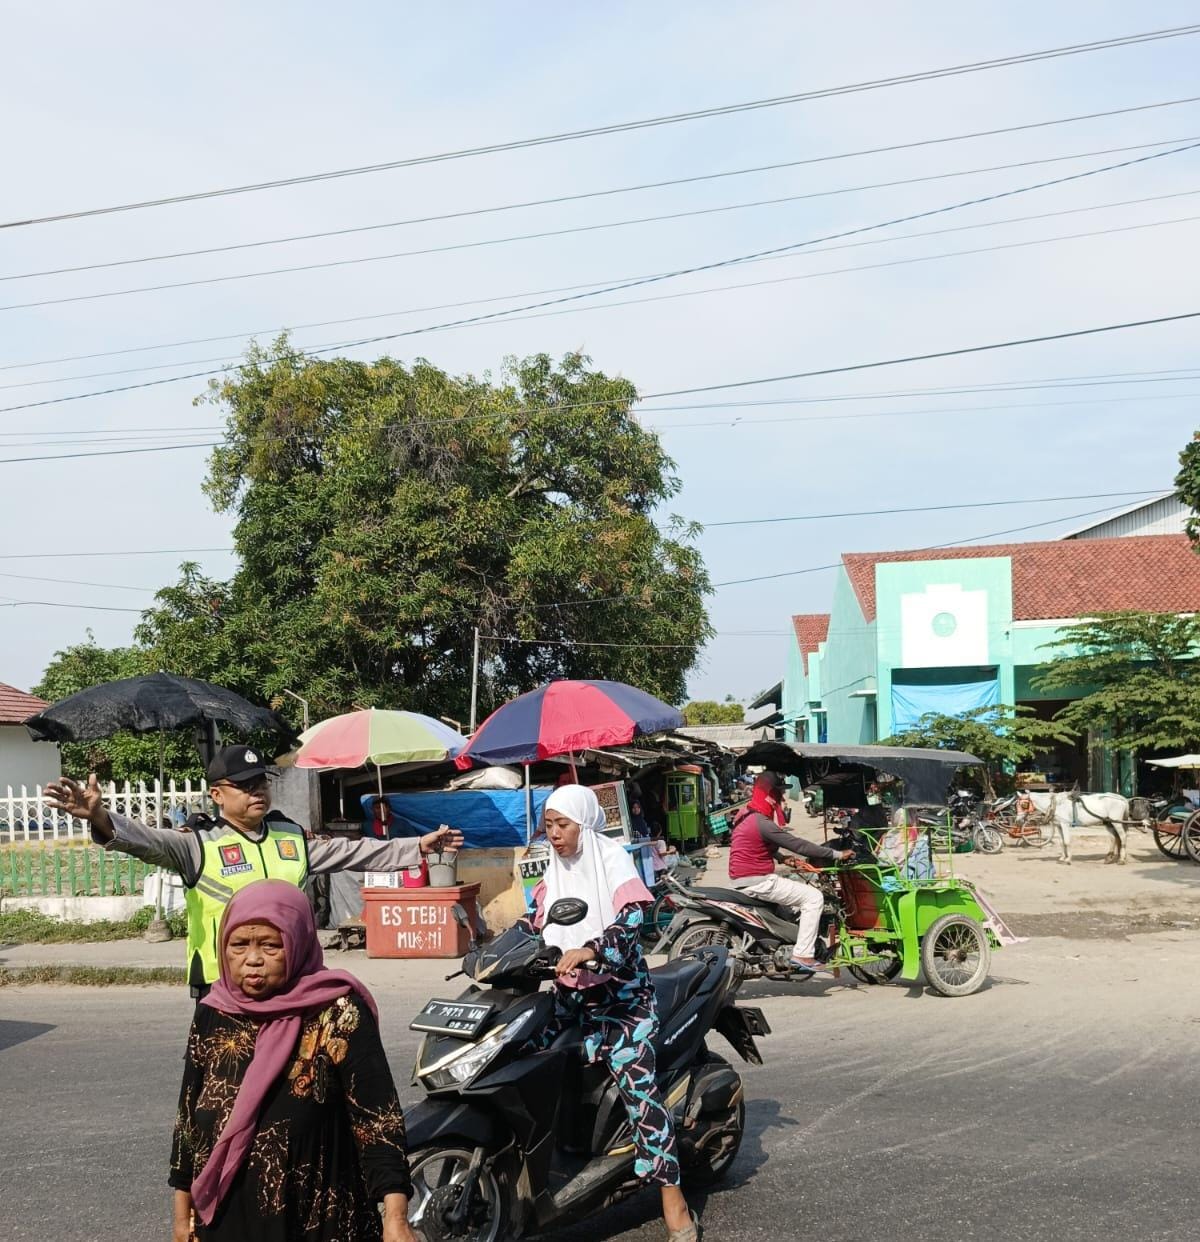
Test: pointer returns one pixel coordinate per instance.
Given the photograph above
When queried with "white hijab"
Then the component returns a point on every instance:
(596, 874)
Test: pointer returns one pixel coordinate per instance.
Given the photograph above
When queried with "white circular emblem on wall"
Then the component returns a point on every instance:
(944, 624)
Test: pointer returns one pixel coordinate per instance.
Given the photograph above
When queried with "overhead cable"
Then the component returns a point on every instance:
(623, 126)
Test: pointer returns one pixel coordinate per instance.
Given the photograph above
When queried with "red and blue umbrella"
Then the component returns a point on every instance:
(566, 717)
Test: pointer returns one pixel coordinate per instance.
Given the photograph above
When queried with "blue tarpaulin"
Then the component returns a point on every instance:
(487, 818)
(911, 702)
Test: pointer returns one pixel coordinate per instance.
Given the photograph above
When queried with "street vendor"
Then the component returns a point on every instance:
(758, 836)
(247, 841)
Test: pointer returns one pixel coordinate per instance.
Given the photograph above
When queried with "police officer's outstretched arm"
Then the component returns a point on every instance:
(176, 851)
(366, 854)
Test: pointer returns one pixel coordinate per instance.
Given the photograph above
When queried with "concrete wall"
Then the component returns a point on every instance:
(26, 762)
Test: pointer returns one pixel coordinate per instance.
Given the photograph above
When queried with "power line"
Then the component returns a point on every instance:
(973, 504)
(45, 556)
(358, 261)
(110, 586)
(753, 284)
(738, 172)
(50, 603)
(565, 198)
(704, 267)
(773, 379)
(624, 126)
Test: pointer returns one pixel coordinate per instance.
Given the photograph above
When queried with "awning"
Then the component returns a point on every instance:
(926, 773)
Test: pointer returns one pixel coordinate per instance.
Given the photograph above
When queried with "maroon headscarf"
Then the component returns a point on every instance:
(309, 987)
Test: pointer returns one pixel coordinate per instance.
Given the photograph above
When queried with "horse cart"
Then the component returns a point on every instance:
(1176, 826)
(887, 914)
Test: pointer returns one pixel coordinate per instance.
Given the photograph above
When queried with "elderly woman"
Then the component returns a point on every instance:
(289, 1128)
(603, 984)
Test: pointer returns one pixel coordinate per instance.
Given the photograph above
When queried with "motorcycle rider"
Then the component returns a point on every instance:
(758, 836)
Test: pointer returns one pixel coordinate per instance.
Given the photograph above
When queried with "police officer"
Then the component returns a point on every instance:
(246, 842)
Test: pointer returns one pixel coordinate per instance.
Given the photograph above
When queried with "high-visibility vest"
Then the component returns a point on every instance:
(230, 861)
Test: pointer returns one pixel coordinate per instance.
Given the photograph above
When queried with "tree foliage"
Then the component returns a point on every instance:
(1140, 678)
(383, 512)
(124, 756)
(999, 735)
(710, 712)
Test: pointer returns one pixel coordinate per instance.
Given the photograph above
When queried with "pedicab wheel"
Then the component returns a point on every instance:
(1191, 837)
(955, 955)
(697, 936)
(437, 1175)
(1172, 844)
(882, 971)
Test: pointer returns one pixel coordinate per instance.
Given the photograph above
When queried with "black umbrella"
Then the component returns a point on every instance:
(151, 703)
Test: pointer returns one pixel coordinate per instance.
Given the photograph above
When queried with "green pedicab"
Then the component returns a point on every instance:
(887, 914)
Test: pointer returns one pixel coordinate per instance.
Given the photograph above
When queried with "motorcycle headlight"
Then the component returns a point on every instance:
(462, 1066)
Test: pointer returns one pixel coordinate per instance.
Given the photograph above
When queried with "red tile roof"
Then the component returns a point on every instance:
(1068, 577)
(812, 628)
(16, 706)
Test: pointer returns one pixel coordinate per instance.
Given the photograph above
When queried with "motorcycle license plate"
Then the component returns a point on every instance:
(452, 1017)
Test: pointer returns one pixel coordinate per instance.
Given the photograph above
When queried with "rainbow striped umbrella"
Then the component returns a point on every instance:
(378, 737)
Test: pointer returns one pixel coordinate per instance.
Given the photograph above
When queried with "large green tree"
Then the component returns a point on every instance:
(1139, 674)
(999, 735)
(710, 712)
(383, 512)
(124, 756)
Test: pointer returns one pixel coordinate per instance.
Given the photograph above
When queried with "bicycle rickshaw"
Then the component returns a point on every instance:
(887, 914)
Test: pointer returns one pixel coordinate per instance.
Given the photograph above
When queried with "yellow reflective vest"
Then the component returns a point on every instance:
(229, 861)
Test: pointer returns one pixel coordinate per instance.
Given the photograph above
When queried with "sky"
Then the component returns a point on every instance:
(148, 101)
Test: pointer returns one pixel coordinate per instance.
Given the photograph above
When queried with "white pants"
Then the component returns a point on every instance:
(800, 898)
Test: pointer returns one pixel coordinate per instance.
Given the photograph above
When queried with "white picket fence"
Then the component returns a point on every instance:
(27, 816)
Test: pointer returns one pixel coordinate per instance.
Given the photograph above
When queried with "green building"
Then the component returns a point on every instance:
(949, 629)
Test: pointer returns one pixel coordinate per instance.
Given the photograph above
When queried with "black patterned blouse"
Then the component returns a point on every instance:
(330, 1139)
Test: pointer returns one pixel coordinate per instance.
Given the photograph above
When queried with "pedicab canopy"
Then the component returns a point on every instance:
(925, 772)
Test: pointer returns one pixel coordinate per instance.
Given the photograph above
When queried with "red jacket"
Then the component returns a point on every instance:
(756, 843)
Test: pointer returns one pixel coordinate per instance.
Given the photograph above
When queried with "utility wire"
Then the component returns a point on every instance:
(773, 379)
(816, 159)
(46, 556)
(625, 126)
(360, 260)
(752, 284)
(973, 504)
(776, 250)
(566, 198)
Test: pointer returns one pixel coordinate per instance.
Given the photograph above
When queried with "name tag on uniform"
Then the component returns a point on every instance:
(289, 851)
(234, 860)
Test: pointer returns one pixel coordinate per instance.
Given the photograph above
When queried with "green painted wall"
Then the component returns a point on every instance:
(846, 664)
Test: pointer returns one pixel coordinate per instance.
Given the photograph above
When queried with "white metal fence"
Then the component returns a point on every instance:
(27, 816)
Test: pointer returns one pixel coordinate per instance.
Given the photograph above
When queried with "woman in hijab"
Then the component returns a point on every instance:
(289, 1128)
(603, 984)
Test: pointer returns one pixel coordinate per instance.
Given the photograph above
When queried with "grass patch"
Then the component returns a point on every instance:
(90, 976)
(33, 927)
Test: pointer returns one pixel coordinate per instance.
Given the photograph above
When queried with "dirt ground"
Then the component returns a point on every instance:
(1086, 900)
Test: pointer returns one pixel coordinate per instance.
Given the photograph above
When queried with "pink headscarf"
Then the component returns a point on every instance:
(309, 987)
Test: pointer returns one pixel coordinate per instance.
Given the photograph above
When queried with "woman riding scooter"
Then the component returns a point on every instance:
(603, 984)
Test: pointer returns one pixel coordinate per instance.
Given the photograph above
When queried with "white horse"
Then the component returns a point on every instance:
(1076, 810)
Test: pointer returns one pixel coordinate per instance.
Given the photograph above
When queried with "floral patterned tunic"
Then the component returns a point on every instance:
(330, 1139)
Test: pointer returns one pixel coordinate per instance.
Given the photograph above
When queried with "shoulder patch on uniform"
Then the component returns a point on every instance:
(288, 850)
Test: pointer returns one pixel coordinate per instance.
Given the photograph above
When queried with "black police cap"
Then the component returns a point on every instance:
(236, 763)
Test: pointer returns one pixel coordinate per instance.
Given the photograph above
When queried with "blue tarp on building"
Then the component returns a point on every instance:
(487, 818)
(910, 702)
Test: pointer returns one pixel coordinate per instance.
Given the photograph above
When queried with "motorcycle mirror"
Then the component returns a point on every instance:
(567, 911)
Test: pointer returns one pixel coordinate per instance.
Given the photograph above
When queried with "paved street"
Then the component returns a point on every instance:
(1058, 1103)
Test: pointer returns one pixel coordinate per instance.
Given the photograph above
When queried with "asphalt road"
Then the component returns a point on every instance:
(1060, 1102)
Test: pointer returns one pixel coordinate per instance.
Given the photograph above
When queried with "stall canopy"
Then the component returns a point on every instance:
(487, 818)
(925, 773)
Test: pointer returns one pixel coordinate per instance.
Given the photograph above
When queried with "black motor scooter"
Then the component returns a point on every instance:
(512, 1139)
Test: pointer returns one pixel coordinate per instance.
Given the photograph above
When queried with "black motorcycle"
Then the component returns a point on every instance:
(761, 934)
(513, 1137)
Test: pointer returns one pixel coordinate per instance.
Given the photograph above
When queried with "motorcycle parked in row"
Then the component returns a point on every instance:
(513, 1138)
